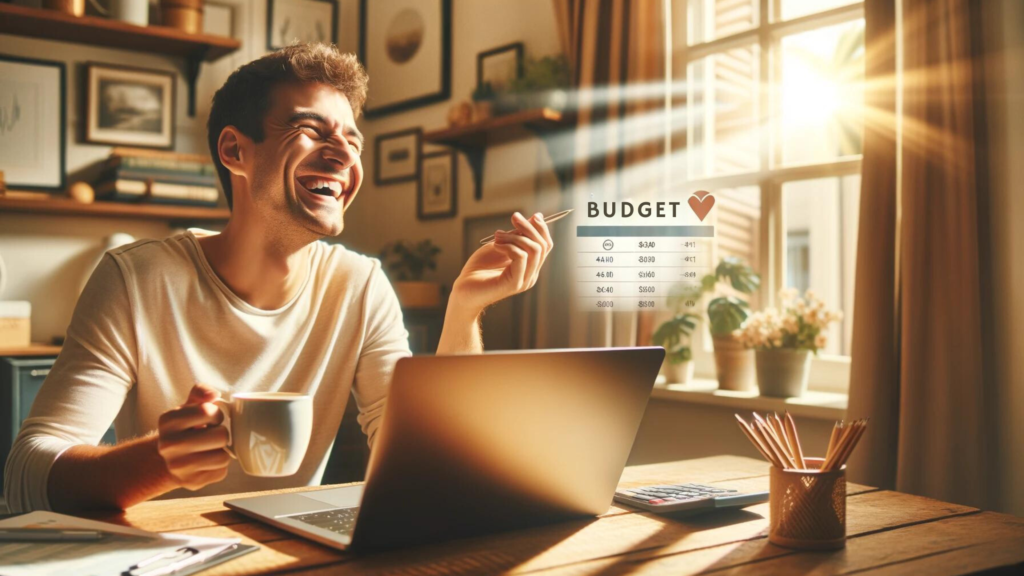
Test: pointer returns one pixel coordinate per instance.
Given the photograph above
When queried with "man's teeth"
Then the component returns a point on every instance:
(321, 184)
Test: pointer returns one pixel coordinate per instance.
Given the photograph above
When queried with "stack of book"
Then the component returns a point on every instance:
(136, 175)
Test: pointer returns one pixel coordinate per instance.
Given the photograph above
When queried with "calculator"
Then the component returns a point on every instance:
(691, 498)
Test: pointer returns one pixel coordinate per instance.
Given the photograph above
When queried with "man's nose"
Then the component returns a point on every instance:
(339, 152)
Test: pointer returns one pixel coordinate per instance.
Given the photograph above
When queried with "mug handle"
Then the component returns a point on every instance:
(225, 409)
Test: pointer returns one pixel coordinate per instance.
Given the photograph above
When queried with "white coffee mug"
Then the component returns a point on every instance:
(268, 432)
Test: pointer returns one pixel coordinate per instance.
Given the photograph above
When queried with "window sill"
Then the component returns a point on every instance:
(813, 404)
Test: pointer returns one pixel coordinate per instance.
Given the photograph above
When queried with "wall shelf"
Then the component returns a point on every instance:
(53, 25)
(472, 140)
(164, 212)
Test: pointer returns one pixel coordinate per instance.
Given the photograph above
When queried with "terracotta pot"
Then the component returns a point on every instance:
(72, 7)
(783, 372)
(418, 294)
(734, 364)
(185, 15)
(482, 110)
(679, 373)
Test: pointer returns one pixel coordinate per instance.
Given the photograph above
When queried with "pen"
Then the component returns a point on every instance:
(547, 220)
(166, 563)
(49, 535)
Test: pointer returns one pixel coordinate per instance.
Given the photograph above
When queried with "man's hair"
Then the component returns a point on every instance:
(243, 101)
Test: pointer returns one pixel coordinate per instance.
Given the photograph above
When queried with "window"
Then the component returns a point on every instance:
(768, 113)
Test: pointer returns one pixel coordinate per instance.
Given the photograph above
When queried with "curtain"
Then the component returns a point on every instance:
(917, 361)
(617, 56)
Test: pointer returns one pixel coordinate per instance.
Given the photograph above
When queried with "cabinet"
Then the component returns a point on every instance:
(20, 381)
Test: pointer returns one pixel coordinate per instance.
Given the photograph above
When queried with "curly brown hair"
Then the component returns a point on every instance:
(244, 99)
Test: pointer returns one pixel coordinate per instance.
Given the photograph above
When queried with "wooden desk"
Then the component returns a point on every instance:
(889, 532)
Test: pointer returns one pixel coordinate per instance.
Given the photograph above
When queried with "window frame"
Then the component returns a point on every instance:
(829, 373)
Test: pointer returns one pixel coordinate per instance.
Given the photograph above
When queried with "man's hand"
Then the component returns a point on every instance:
(507, 267)
(192, 442)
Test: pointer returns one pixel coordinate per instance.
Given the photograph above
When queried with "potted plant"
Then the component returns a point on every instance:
(734, 363)
(407, 262)
(784, 341)
(674, 335)
(483, 102)
(544, 84)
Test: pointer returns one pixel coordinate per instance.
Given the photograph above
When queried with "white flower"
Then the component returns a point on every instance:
(810, 316)
(811, 295)
(820, 341)
(789, 324)
(788, 294)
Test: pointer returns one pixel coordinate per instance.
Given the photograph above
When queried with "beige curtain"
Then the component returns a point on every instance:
(917, 368)
(616, 51)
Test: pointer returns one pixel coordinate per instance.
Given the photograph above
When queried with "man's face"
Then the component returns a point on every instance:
(307, 170)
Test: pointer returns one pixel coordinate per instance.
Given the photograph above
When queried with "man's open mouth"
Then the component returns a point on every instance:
(321, 186)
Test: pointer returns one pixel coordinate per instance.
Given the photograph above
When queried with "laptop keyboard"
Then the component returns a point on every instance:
(340, 520)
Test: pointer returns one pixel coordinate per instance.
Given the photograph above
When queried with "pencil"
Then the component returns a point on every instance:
(547, 220)
(795, 438)
(754, 440)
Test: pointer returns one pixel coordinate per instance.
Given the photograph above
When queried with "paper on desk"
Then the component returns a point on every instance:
(124, 547)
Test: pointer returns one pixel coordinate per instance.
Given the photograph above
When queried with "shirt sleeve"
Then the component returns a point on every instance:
(82, 393)
(386, 341)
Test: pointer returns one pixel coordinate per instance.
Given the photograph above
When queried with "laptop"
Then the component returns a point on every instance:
(482, 443)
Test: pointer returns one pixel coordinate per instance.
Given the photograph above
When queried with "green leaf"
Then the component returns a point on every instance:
(740, 276)
(727, 313)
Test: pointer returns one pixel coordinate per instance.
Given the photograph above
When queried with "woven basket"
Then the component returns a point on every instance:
(808, 508)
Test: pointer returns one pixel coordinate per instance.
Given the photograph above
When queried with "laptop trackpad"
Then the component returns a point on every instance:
(347, 497)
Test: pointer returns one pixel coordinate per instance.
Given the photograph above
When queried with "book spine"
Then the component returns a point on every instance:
(159, 192)
(124, 173)
(162, 165)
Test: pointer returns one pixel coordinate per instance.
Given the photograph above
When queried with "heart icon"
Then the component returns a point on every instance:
(701, 202)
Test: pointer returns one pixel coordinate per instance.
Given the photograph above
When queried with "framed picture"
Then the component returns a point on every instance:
(398, 157)
(405, 46)
(291, 21)
(129, 106)
(32, 123)
(438, 193)
(500, 66)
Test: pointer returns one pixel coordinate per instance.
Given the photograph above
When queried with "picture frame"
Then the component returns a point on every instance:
(405, 46)
(127, 106)
(301, 20)
(33, 123)
(500, 66)
(397, 157)
(437, 195)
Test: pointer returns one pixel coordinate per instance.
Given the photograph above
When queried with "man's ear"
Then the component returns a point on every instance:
(235, 150)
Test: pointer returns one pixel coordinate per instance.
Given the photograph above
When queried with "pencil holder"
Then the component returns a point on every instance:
(808, 507)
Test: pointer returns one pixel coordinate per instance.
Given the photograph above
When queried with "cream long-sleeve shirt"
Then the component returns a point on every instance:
(154, 319)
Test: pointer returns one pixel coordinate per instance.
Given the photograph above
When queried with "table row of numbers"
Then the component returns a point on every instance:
(673, 245)
(620, 259)
(640, 274)
(620, 304)
(586, 288)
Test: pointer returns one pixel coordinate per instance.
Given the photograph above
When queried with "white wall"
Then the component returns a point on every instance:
(1003, 22)
(383, 214)
(48, 257)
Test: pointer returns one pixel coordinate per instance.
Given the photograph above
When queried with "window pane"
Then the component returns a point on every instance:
(723, 111)
(738, 230)
(711, 19)
(796, 8)
(822, 93)
(821, 246)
